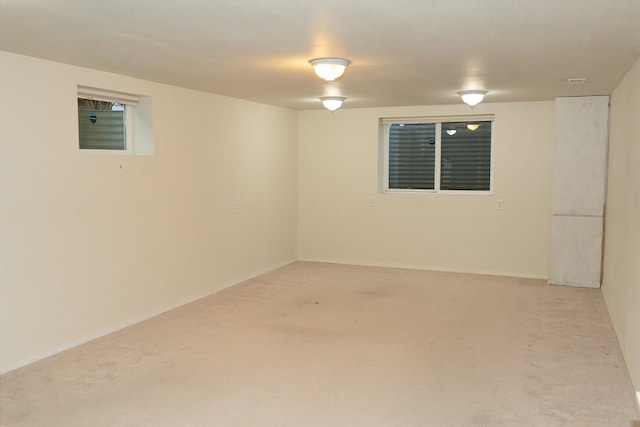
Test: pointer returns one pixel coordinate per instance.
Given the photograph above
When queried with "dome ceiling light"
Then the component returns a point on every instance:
(329, 69)
(472, 97)
(332, 103)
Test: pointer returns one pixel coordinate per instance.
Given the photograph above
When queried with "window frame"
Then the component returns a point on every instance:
(129, 102)
(438, 121)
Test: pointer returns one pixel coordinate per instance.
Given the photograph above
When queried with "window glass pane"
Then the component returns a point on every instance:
(412, 156)
(465, 157)
(101, 125)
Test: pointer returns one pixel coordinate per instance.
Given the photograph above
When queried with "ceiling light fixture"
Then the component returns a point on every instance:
(473, 126)
(451, 131)
(329, 69)
(332, 103)
(472, 97)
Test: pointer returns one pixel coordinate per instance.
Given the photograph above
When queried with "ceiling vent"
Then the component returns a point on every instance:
(577, 81)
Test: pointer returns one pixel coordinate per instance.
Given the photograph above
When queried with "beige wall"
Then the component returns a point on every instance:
(621, 282)
(338, 173)
(90, 243)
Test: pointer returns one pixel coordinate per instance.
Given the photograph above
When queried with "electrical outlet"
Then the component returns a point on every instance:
(372, 201)
(500, 204)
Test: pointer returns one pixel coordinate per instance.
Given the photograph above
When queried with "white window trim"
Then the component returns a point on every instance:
(107, 95)
(438, 120)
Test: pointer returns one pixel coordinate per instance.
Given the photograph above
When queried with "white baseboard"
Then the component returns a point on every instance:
(114, 328)
(426, 268)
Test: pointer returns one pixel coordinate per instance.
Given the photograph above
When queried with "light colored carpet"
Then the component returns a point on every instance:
(316, 344)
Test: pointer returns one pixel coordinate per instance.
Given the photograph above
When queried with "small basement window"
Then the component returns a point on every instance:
(107, 121)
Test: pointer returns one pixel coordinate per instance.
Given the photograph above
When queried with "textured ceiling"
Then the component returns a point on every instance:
(403, 52)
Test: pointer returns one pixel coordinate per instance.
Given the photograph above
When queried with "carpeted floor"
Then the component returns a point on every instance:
(316, 344)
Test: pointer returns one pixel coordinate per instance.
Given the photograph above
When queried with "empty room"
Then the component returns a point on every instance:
(356, 213)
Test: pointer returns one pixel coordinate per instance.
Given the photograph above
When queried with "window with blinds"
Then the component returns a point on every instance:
(438, 155)
(101, 127)
(104, 119)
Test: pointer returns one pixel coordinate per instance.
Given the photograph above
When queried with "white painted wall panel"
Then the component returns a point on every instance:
(580, 157)
(578, 192)
(576, 249)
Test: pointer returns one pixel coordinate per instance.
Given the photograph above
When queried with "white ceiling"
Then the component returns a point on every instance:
(403, 52)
